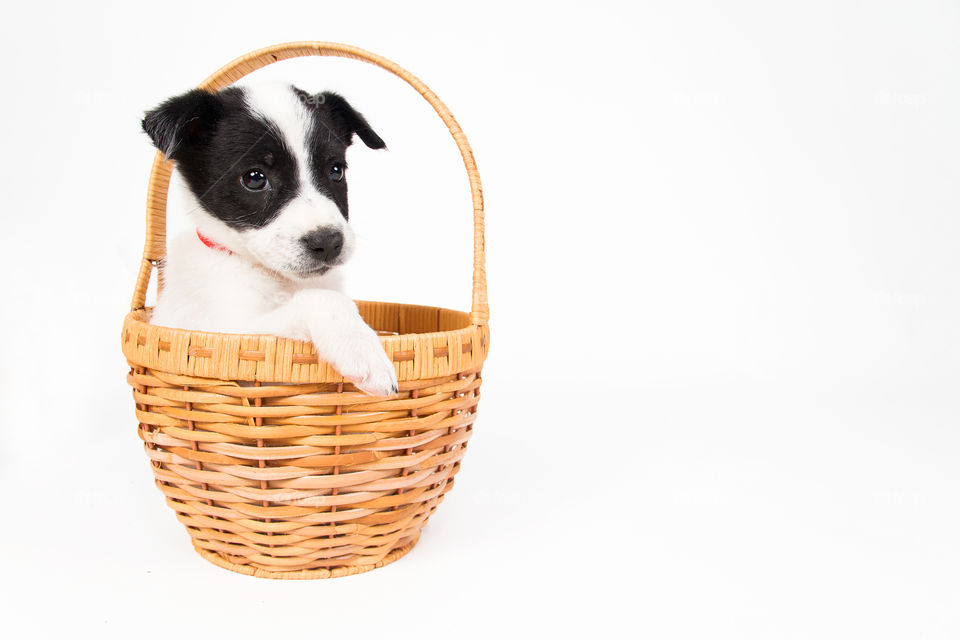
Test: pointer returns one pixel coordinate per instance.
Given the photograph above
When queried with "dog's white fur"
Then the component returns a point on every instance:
(255, 289)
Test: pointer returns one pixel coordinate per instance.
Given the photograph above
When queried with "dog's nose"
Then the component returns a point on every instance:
(325, 243)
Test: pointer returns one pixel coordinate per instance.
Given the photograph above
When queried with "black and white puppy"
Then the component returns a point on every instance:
(264, 169)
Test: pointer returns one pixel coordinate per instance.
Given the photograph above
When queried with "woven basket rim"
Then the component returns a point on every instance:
(274, 359)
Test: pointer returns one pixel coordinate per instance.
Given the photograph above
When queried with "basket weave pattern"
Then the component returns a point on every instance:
(278, 467)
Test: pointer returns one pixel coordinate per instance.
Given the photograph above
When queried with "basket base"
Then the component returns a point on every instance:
(306, 574)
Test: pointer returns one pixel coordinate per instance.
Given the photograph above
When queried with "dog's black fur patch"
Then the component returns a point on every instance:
(334, 122)
(215, 139)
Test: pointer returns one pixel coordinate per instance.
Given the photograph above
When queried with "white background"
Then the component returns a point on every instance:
(721, 400)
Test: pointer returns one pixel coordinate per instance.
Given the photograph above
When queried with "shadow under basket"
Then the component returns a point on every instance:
(277, 467)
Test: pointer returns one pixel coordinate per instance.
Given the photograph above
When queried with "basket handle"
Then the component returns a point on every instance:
(154, 248)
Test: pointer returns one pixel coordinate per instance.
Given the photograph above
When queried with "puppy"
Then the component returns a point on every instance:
(264, 169)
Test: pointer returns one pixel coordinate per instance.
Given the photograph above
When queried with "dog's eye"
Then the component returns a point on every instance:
(336, 172)
(254, 180)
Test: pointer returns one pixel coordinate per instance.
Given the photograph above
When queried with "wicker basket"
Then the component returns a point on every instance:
(277, 466)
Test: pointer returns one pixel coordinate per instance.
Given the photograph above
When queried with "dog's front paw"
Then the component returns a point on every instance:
(364, 363)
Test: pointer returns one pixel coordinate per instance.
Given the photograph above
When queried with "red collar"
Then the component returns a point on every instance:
(213, 245)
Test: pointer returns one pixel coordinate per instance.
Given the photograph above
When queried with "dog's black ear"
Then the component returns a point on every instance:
(183, 120)
(354, 123)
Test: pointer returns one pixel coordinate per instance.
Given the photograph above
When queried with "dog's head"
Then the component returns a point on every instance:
(267, 165)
